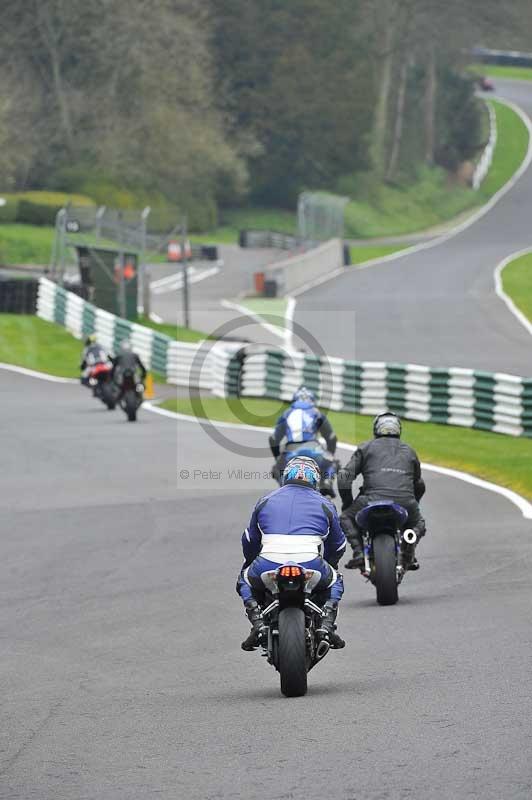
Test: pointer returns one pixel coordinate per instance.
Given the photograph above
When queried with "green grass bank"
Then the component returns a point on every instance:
(517, 283)
(33, 343)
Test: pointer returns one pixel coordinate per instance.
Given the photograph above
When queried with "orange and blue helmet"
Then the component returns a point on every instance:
(302, 469)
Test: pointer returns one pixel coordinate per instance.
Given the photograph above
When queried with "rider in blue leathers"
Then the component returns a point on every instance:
(293, 523)
(301, 425)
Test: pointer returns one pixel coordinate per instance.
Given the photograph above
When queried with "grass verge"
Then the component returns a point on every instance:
(35, 344)
(367, 253)
(502, 459)
(496, 71)
(517, 283)
(173, 331)
(510, 150)
(32, 244)
(25, 244)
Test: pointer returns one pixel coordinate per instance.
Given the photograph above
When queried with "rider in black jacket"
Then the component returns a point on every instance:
(126, 360)
(391, 471)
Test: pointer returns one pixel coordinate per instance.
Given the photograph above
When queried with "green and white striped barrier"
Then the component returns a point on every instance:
(202, 366)
(493, 402)
(488, 401)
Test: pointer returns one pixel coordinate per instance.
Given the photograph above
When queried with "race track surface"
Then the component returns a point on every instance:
(436, 306)
(122, 674)
(235, 275)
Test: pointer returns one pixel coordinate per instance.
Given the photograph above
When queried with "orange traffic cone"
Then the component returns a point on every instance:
(149, 394)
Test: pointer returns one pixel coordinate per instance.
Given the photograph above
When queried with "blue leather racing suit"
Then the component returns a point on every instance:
(293, 524)
(301, 425)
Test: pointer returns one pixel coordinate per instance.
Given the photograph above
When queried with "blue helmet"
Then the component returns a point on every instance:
(302, 469)
(304, 395)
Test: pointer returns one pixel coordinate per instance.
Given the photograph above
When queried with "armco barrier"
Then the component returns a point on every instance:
(486, 158)
(206, 365)
(492, 402)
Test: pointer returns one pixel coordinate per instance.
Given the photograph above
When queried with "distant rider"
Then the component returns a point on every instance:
(301, 425)
(293, 523)
(391, 471)
(127, 361)
(92, 355)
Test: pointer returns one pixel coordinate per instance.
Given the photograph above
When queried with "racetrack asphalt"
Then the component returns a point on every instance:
(206, 312)
(122, 674)
(436, 306)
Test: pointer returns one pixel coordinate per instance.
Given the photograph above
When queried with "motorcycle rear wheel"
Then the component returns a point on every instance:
(108, 396)
(130, 402)
(292, 652)
(385, 570)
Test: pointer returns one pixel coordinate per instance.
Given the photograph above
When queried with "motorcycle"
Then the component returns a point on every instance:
(131, 394)
(327, 464)
(388, 547)
(292, 617)
(102, 386)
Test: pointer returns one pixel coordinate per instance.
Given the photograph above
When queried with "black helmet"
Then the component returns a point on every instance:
(387, 424)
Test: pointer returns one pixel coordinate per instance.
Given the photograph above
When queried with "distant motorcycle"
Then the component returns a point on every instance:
(328, 465)
(131, 394)
(388, 547)
(100, 381)
(292, 615)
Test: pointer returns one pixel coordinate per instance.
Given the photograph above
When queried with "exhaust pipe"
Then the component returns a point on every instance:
(322, 649)
(409, 536)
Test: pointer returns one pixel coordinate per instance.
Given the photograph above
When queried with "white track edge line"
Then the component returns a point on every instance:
(273, 329)
(499, 289)
(524, 506)
(32, 373)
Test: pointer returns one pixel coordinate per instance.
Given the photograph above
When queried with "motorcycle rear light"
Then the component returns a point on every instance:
(290, 572)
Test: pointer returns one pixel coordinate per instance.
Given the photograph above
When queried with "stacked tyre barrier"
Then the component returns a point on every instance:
(488, 401)
(18, 295)
(206, 365)
(456, 396)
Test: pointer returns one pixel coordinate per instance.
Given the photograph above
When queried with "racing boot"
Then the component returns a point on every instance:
(327, 629)
(357, 560)
(258, 628)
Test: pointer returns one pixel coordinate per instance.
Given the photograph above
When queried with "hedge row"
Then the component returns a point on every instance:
(40, 208)
(37, 208)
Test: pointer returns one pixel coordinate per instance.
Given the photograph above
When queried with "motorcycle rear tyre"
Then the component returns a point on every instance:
(385, 559)
(130, 403)
(108, 396)
(292, 652)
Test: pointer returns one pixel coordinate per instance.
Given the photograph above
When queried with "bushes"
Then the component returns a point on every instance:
(37, 208)
(40, 207)
(8, 212)
(36, 213)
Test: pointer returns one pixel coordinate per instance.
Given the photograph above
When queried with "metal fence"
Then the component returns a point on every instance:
(320, 216)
